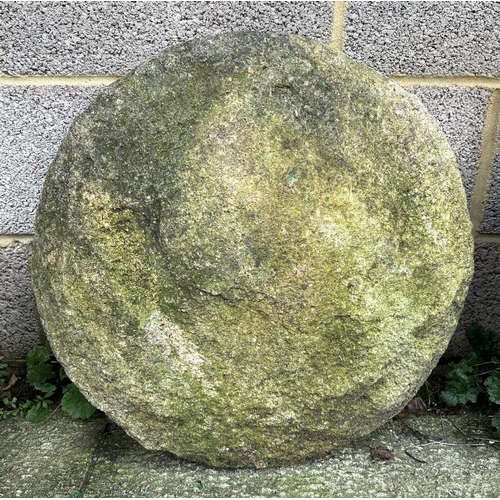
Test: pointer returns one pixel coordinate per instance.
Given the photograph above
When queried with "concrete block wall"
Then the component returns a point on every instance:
(56, 56)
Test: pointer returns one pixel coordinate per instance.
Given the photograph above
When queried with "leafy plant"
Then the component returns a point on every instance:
(39, 411)
(74, 403)
(463, 384)
(39, 365)
(477, 375)
(492, 384)
(13, 407)
(48, 378)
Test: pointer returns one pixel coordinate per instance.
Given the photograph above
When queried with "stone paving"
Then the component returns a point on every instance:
(434, 456)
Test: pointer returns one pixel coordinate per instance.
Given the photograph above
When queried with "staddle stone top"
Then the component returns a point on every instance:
(251, 249)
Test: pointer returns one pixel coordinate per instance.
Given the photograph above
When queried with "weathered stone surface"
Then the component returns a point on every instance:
(251, 249)
(68, 458)
(48, 460)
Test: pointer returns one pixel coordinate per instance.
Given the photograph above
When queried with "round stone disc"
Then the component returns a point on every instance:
(251, 249)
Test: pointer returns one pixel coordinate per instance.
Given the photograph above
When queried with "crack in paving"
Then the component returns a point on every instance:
(95, 458)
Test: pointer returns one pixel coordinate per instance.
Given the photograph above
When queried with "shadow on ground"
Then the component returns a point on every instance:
(434, 456)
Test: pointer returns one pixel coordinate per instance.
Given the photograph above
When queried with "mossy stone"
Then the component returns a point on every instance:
(251, 249)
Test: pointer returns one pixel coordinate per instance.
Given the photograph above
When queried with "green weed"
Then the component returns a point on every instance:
(475, 378)
(48, 380)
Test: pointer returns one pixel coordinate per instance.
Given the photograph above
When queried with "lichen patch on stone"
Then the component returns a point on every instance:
(178, 351)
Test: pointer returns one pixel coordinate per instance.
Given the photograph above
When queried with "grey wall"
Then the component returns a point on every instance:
(56, 56)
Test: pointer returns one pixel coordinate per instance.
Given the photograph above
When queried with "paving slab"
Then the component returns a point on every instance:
(443, 463)
(50, 459)
(455, 455)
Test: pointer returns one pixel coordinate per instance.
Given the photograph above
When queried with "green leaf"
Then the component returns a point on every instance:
(496, 420)
(37, 414)
(462, 386)
(40, 373)
(39, 367)
(26, 405)
(449, 398)
(75, 404)
(466, 366)
(46, 388)
(39, 354)
(492, 384)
